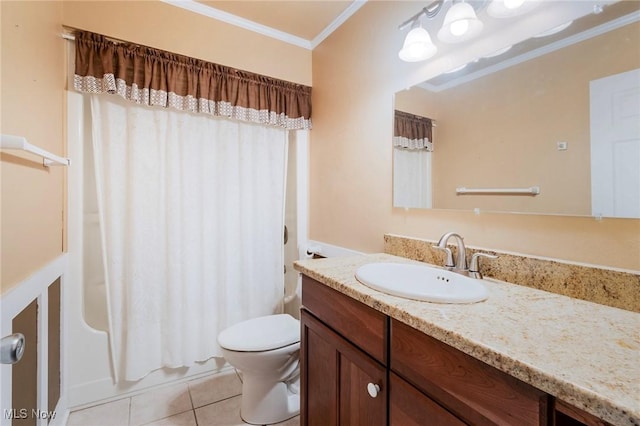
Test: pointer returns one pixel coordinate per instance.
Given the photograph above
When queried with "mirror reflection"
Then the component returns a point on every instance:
(565, 124)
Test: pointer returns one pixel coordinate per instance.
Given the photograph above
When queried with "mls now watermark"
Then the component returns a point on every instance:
(24, 413)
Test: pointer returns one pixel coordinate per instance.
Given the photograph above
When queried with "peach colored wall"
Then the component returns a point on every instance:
(549, 98)
(160, 25)
(355, 74)
(33, 74)
(33, 101)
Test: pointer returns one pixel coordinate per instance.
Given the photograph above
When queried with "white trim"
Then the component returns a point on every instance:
(43, 356)
(552, 47)
(62, 408)
(302, 190)
(20, 296)
(34, 287)
(229, 18)
(211, 12)
(329, 250)
(335, 24)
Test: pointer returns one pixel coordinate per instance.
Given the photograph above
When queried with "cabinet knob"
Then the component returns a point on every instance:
(373, 389)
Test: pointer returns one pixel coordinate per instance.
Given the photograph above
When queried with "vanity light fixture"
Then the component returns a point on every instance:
(460, 24)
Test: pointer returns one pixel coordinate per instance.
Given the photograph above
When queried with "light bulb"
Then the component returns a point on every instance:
(458, 28)
(510, 8)
(513, 4)
(460, 24)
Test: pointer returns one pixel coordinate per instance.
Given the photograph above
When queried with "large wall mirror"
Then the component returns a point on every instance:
(544, 133)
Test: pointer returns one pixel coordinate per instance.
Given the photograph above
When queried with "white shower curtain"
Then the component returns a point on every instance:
(191, 210)
(412, 178)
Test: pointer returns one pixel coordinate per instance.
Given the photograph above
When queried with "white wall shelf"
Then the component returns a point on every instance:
(533, 190)
(20, 143)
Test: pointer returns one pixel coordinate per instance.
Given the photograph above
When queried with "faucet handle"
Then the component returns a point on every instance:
(474, 268)
(449, 263)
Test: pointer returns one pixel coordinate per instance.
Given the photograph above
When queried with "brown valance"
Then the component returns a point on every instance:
(412, 126)
(158, 78)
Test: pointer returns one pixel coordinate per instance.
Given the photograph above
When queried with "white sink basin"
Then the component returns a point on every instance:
(421, 282)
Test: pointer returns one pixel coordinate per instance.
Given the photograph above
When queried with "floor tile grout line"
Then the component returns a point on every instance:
(166, 417)
(193, 406)
(220, 400)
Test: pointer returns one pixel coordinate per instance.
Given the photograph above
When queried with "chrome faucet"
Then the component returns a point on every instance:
(461, 254)
(460, 266)
(474, 267)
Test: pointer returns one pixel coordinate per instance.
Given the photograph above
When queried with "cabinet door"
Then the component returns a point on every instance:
(335, 376)
(410, 407)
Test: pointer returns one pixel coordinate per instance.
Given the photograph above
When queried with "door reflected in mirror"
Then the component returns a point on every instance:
(567, 122)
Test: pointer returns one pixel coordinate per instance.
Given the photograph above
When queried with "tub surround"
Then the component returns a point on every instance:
(611, 287)
(582, 353)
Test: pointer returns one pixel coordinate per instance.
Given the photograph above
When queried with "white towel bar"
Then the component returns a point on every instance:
(18, 142)
(533, 190)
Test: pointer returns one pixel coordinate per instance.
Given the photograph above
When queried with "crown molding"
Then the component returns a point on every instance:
(194, 6)
(211, 12)
(346, 14)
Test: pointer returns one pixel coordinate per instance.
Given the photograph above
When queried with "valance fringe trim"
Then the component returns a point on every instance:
(406, 143)
(153, 77)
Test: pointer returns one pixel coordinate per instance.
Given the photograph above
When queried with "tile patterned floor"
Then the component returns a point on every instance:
(210, 401)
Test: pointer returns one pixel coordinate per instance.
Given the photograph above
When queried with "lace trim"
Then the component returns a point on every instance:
(406, 143)
(109, 84)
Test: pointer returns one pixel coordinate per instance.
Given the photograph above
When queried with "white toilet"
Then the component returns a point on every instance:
(266, 351)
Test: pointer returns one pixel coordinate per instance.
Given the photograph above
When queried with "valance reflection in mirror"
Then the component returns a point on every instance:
(412, 146)
(534, 124)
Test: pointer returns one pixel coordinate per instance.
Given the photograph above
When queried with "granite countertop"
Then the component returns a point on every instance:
(580, 352)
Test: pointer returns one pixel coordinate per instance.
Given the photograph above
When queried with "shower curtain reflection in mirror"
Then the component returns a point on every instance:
(191, 210)
(412, 147)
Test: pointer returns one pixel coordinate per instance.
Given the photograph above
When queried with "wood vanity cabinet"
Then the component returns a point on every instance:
(474, 391)
(348, 348)
(337, 376)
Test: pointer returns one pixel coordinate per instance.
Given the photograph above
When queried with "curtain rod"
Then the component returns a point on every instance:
(68, 33)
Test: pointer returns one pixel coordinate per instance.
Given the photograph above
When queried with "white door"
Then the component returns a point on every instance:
(615, 145)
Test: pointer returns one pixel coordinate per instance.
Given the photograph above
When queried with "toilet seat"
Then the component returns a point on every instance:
(261, 334)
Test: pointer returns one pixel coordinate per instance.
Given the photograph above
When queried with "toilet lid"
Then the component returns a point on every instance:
(261, 334)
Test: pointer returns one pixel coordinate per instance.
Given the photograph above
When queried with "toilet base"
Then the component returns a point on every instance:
(268, 404)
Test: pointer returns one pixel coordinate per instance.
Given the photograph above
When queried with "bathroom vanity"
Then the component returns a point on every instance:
(522, 357)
